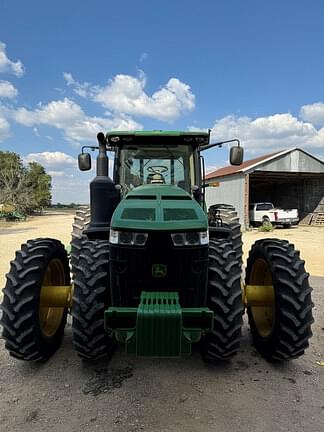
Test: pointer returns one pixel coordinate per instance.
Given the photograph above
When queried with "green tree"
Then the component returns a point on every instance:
(13, 191)
(24, 188)
(39, 183)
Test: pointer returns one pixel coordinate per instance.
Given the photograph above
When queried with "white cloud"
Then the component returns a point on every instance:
(7, 90)
(69, 117)
(57, 113)
(68, 78)
(125, 94)
(36, 132)
(273, 132)
(4, 128)
(143, 57)
(6, 65)
(211, 168)
(80, 89)
(314, 113)
(56, 173)
(52, 159)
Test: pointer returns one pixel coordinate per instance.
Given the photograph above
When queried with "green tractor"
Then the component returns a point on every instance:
(152, 269)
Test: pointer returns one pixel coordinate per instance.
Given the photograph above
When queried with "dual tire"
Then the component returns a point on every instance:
(280, 328)
(32, 330)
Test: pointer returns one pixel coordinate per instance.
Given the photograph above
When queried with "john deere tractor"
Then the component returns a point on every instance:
(153, 269)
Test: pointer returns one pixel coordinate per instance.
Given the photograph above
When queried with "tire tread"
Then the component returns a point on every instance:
(225, 299)
(90, 300)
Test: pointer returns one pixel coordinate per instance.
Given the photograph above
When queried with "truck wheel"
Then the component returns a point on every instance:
(224, 298)
(31, 330)
(81, 222)
(229, 219)
(282, 328)
(91, 298)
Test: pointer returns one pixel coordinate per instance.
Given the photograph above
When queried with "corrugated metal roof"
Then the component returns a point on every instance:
(228, 170)
(252, 163)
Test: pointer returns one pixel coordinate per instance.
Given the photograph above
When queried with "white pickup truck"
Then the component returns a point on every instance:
(264, 212)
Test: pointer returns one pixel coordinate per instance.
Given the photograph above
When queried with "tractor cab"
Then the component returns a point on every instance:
(157, 158)
(163, 157)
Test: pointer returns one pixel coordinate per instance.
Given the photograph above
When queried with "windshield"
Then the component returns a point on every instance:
(156, 165)
(264, 206)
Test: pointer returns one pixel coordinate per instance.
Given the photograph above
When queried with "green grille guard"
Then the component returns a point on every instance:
(158, 327)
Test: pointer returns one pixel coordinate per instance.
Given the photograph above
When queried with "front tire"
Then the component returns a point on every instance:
(90, 300)
(31, 330)
(281, 329)
(224, 298)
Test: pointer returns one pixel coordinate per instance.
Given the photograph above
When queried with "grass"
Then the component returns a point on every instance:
(266, 227)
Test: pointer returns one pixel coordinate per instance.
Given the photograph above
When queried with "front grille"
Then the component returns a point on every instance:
(131, 271)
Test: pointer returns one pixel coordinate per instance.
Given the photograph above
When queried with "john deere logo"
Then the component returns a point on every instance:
(159, 270)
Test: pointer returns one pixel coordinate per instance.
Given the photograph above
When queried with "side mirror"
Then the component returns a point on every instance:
(84, 161)
(236, 155)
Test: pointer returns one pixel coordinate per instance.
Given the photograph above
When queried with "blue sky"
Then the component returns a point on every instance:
(247, 69)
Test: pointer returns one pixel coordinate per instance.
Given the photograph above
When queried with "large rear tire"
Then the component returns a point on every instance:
(224, 298)
(31, 330)
(281, 329)
(91, 298)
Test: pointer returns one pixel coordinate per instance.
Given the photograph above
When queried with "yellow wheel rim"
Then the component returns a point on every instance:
(50, 318)
(263, 316)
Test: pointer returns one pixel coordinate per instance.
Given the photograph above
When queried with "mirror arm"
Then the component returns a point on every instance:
(219, 144)
(92, 148)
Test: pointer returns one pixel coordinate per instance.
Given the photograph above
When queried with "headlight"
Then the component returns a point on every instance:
(191, 238)
(127, 238)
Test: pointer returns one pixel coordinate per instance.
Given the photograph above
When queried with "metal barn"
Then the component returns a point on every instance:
(290, 179)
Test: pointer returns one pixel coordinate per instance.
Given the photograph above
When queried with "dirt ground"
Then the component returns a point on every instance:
(12, 234)
(308, 240)
(129, 394)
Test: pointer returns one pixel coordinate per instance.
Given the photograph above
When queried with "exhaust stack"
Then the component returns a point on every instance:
(104, 197)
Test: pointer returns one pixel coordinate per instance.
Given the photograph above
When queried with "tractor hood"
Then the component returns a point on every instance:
(159, 207)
